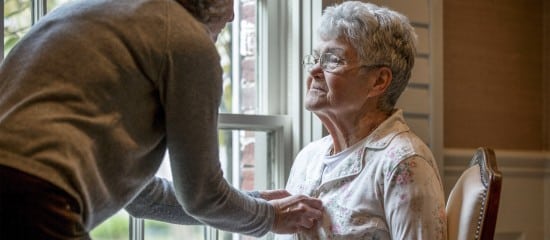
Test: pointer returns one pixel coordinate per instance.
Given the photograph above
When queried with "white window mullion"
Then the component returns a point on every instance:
(236, 82)
(271, 57)
(39, 9)
(137, 229)
(236, 60)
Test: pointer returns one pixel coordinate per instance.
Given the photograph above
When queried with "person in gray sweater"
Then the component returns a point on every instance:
(90, 100)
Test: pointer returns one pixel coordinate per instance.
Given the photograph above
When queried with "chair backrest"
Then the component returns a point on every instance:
(472, 206)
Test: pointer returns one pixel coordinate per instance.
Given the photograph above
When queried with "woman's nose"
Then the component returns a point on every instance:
(315, 69)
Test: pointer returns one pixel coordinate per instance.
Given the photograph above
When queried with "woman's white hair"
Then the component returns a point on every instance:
(379, 35)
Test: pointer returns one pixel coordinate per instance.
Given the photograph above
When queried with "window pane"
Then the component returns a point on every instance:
(55, 3)
(17, 21)
(115, 228)
(155, 230)
(237, 47)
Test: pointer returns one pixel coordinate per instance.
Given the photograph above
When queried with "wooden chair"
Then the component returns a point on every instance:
(472, 206)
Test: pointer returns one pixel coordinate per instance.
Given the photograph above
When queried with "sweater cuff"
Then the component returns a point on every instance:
(254, 194)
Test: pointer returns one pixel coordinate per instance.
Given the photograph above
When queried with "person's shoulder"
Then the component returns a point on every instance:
(407, 144)
(412, 141)
(404, 148)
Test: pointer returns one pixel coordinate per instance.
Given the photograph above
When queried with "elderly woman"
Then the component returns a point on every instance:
(376, 178)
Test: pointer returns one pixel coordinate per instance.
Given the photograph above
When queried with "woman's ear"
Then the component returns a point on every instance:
(383, 78)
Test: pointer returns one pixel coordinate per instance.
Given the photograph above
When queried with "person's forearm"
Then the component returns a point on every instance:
(158, 202)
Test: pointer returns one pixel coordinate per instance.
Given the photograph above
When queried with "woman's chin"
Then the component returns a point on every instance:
(312, 104)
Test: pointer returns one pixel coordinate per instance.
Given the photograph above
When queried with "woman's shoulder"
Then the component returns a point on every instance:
(320, 145)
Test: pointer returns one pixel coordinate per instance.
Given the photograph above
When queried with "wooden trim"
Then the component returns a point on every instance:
(436, 80)
(511, 163)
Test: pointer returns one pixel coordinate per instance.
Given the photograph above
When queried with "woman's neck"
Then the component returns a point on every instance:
(345, 132)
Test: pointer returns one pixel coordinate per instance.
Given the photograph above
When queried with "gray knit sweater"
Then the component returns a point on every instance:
(94, 94)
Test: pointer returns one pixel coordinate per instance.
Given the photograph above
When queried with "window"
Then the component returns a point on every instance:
(260, 54)
(252, 143)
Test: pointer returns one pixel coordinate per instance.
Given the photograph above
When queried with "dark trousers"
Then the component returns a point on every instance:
(31, 208)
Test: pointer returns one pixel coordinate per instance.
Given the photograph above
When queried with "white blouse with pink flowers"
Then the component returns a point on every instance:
(386, 186)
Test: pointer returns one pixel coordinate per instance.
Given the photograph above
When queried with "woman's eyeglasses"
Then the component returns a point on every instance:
(328, 61)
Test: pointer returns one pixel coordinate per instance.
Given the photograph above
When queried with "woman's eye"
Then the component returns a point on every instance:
(334, 60)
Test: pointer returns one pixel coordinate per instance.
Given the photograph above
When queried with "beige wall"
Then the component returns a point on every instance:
(493, 53)
(497, 94)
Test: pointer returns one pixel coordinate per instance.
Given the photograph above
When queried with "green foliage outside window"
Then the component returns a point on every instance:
(17, 21)
(116, 227)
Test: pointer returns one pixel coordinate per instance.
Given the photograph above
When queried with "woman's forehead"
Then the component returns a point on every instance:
(337, 46)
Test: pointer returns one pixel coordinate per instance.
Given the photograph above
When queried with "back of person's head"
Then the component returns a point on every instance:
(207, 11)
(380, 36)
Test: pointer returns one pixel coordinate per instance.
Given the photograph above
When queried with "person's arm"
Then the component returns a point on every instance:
(414, 201)
(190, 91)
(157, 201)
(193, 91)
(269, 194)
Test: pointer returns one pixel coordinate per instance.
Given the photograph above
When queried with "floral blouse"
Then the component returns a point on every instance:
(385, 187)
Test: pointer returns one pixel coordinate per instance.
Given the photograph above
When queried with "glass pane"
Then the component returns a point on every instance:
(237, 47)
(115, 228)
(55, 3)
(17, 21)
(155, 230)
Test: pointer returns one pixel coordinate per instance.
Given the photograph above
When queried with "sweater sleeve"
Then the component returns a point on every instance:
(157, 201)
(190, 89)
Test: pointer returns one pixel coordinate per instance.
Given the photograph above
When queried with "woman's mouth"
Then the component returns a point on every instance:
(317, 88)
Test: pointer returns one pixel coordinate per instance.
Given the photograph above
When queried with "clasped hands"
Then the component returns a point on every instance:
(293, 213)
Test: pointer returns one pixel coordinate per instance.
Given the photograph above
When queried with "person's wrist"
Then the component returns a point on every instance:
(276, 219)
(255, 194)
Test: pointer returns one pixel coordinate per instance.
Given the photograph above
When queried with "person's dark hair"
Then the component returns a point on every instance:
(380, 36)
(206, 11)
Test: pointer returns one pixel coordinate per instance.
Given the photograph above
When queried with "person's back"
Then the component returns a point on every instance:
(83, 92)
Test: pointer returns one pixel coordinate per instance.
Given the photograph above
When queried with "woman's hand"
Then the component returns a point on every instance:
(295, 213)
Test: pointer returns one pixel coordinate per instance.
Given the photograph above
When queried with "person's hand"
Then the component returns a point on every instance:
(273, 194)
(296, 213)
